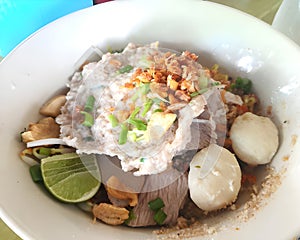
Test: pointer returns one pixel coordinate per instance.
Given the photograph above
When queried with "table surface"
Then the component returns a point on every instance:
(264, 10)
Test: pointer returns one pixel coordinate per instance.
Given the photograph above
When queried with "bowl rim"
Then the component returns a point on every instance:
(10, 220)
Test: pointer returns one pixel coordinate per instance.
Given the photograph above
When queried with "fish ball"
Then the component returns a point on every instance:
(254, 138)
(220, 187)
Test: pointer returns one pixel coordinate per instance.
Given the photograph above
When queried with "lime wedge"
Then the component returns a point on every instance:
(70, 177)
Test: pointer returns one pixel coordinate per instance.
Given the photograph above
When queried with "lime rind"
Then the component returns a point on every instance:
(71, 178)
(74, 168)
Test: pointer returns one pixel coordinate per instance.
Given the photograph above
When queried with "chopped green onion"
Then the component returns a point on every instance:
(147, 107)
(88, 119)
(243, 84)
(203, 81)
(89, 105)
(35, 172)
(125, 69)
(201, 91)
(158, 110)
(160, 216)
(41, 154)
(131, 217)
(197, 166)
(216, 83)
(145, 88)
(45, 151)
(135, 96)
(194, 94)
(123, 134)
(142, 159)
(142, 90)
(139, 124)
(113, 120)
(156, 204)
(135, 112)
(136, 135)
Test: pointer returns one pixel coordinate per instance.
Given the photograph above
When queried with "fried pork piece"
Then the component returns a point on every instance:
(45, 128)
(119, 194)
(52, 107)
(110, 214)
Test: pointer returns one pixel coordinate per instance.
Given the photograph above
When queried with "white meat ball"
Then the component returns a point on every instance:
(221, 186)
(254, 138)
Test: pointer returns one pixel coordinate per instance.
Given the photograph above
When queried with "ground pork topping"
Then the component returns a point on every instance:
(138, 105)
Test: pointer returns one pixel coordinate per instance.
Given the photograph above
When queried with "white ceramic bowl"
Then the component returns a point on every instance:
(287, 19)
(241, 44)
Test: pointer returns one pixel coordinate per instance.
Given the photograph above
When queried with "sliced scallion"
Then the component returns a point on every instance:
(131, 217)
(135, 112)
(216, 83)
(139, 124)
(123, 134)
(160, 216)
(156, 204)
(141, 91)
(125, 69)
(45, 151)
(41, 152)
(135, 96)
(147, 107)
(203, 81)
(194, 94)
(145, 88)
(113, 120)
(244, 84)
(35, 172)
(201, 91)
(158, 110)
(88, 119)
(89, 105)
